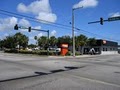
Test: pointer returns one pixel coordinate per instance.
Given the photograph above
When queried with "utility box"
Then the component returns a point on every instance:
(64, 49)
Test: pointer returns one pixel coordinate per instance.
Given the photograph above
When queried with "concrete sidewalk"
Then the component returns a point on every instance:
(72, 56)
(81, 56)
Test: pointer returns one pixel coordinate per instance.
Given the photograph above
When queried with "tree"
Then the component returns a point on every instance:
(12, 41)
(9, 42)
(31, 46)
(43, 42)
(65, 39)
(91, 42)
(53, 41)
(1, 44)
(80, 40)
(21, 40)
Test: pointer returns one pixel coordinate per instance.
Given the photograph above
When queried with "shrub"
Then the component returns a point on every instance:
(11, 50)
(77, 53)
(37, 52)
(69, 53)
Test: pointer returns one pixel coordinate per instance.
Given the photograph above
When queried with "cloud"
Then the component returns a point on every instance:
(37, 27)
(7, 23)
(22, 8)
(86, 3)
(40, 34)
(24, 22)
(40, 8)
(6, 34)
(46, 17)
(31, 38)
(114, 14)
(53, 33)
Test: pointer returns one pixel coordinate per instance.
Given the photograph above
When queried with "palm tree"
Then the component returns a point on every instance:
(65, 39)
(9, 42)
(80, 41)
(91, 42)
(53, 41)
(21, 40)
(43, 41)
(1, 44)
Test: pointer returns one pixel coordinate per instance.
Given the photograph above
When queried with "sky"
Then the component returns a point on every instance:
(56, 16)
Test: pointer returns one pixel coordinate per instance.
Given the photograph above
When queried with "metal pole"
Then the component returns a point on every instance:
(73, 38)
(73, 29)
(48, 43)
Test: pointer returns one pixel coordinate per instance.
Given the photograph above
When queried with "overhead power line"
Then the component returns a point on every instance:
(7, 13)
(77, 29)
(67, 27)
(38, 20)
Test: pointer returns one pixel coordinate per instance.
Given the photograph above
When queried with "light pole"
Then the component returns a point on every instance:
(73, 36)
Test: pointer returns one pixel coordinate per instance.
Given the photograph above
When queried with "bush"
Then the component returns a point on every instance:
(11, 50)
(69, 53)
(37, 52)
(77, 53)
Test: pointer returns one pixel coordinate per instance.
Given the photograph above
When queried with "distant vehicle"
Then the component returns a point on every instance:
(58, 49)
(28, 49)
(55, 49)
(37, 48)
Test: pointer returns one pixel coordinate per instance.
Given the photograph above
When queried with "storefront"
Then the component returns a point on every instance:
(103, 47)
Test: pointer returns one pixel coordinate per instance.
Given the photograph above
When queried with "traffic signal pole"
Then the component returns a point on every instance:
(108, 20)
(16, 27)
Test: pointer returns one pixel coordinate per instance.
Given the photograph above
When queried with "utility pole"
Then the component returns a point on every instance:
(48, 43)
(73, 35)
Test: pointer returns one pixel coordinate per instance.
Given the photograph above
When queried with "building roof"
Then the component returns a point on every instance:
(101, 42)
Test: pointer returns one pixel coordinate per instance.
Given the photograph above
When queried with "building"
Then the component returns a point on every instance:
(103, 47)
(119, 49)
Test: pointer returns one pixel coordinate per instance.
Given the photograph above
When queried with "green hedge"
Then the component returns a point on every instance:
(11, 50)
(38, 52)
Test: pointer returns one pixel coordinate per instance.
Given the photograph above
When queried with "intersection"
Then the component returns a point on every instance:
(27, 72)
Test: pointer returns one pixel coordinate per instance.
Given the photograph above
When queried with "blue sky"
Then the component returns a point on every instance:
(59, 12)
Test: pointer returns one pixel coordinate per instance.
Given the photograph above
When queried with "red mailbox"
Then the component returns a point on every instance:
(64, 49)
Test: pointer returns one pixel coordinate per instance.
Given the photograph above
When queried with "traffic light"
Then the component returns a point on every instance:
(29, 29)
(16, 27)
(101, 21)
(35, 37)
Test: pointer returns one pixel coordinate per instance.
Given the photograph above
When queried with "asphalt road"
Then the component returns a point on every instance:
(27, 72)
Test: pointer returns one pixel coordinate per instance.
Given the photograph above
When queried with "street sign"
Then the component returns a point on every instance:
(114, 18)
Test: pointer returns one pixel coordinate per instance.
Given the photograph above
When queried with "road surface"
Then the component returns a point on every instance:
(27, 72)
